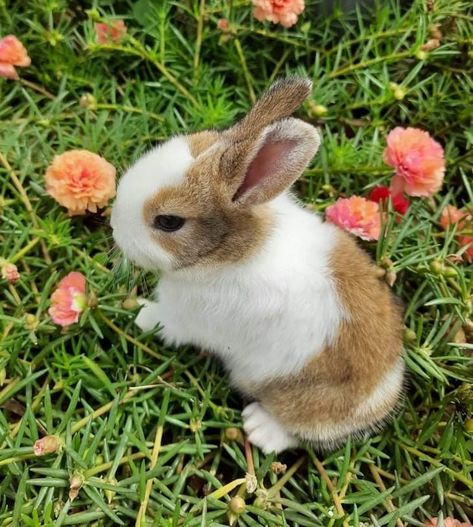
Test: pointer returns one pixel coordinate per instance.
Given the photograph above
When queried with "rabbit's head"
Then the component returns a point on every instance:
(205, 199)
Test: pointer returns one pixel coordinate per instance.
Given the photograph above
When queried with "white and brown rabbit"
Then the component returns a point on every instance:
(291, 305)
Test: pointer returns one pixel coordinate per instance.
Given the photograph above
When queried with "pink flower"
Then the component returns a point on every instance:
(357, 215)
(447, 522)
(111, 32)
(418, 160)
(380, 194)
(450, 215)
(9, 272)
(68, 300)
(47, 445)
(80, 180)
(223, 24)
(12, 53)
(284, 12)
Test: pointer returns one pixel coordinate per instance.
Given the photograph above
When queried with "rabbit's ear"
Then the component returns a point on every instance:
(257, 171)
(281, 100)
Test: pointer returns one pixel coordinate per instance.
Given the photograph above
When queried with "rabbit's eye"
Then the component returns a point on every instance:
(168, 223)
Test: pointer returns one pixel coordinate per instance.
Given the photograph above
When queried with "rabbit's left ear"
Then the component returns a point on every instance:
(260, 170)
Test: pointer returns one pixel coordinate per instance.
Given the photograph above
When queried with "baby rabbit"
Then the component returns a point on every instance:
(292, 306)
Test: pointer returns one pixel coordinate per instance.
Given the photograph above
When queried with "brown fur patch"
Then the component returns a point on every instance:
(215, 231)
(281, 100)
(327, 393)
(201, 141)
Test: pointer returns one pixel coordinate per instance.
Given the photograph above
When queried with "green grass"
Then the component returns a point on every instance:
(147, 426)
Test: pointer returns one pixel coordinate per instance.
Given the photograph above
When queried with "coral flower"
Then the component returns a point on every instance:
(400, 203)
(284, 12)
(47, 445)
(12, 53)
(447, 522)
(68, 300)
(9, 271)
(112, 32)
(418, 160)
(80, 180)
(450, 215)
(357, 215)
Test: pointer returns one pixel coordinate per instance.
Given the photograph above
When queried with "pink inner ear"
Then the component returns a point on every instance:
(270, 159)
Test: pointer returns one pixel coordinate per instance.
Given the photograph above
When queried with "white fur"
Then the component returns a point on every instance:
(265, 316)
(163, 166)
(264, 431)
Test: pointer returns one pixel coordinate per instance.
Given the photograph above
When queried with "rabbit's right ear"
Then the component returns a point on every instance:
(267, 150)
(281, 100)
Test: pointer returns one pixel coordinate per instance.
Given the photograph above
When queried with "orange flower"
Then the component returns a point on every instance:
(450, 215)
(447, 522)
(9, 271)
(284, 12)
(418, 160)
(68, 300)
(12, 53)
(47, 445)
(80, 180)
(357, 215)
(111, 32)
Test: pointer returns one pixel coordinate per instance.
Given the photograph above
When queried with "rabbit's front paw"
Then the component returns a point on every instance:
(147, 318)
(264, 431)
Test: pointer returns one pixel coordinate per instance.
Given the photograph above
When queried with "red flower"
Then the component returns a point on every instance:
(399, 201)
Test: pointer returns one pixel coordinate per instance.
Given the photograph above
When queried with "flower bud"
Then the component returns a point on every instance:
(130, 303)
(469, 426)
(237, 505)
(47, 445)
(317, 110)
(278, 468)
(31, 322)
(421, 54)
(233, 434)
(409, 335)
(75, 484)
(88, 101)
(399, 94)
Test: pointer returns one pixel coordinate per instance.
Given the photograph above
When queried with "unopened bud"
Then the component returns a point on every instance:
(437, 267)
(390, 277)
(130, 303)
(431, 44)
(278, 468)
(399, 94)
(47, 445)
(237, 505)
(233, 434)
(421, 54)
(75, 484)
(31, 322)
(88, 101)
(469, 426)
(409, 335)
(317, 110)
(92, 300)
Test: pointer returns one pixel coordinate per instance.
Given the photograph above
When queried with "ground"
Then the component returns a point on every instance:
(153, 435)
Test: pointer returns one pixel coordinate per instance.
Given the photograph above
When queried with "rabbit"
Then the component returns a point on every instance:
(293, 307)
